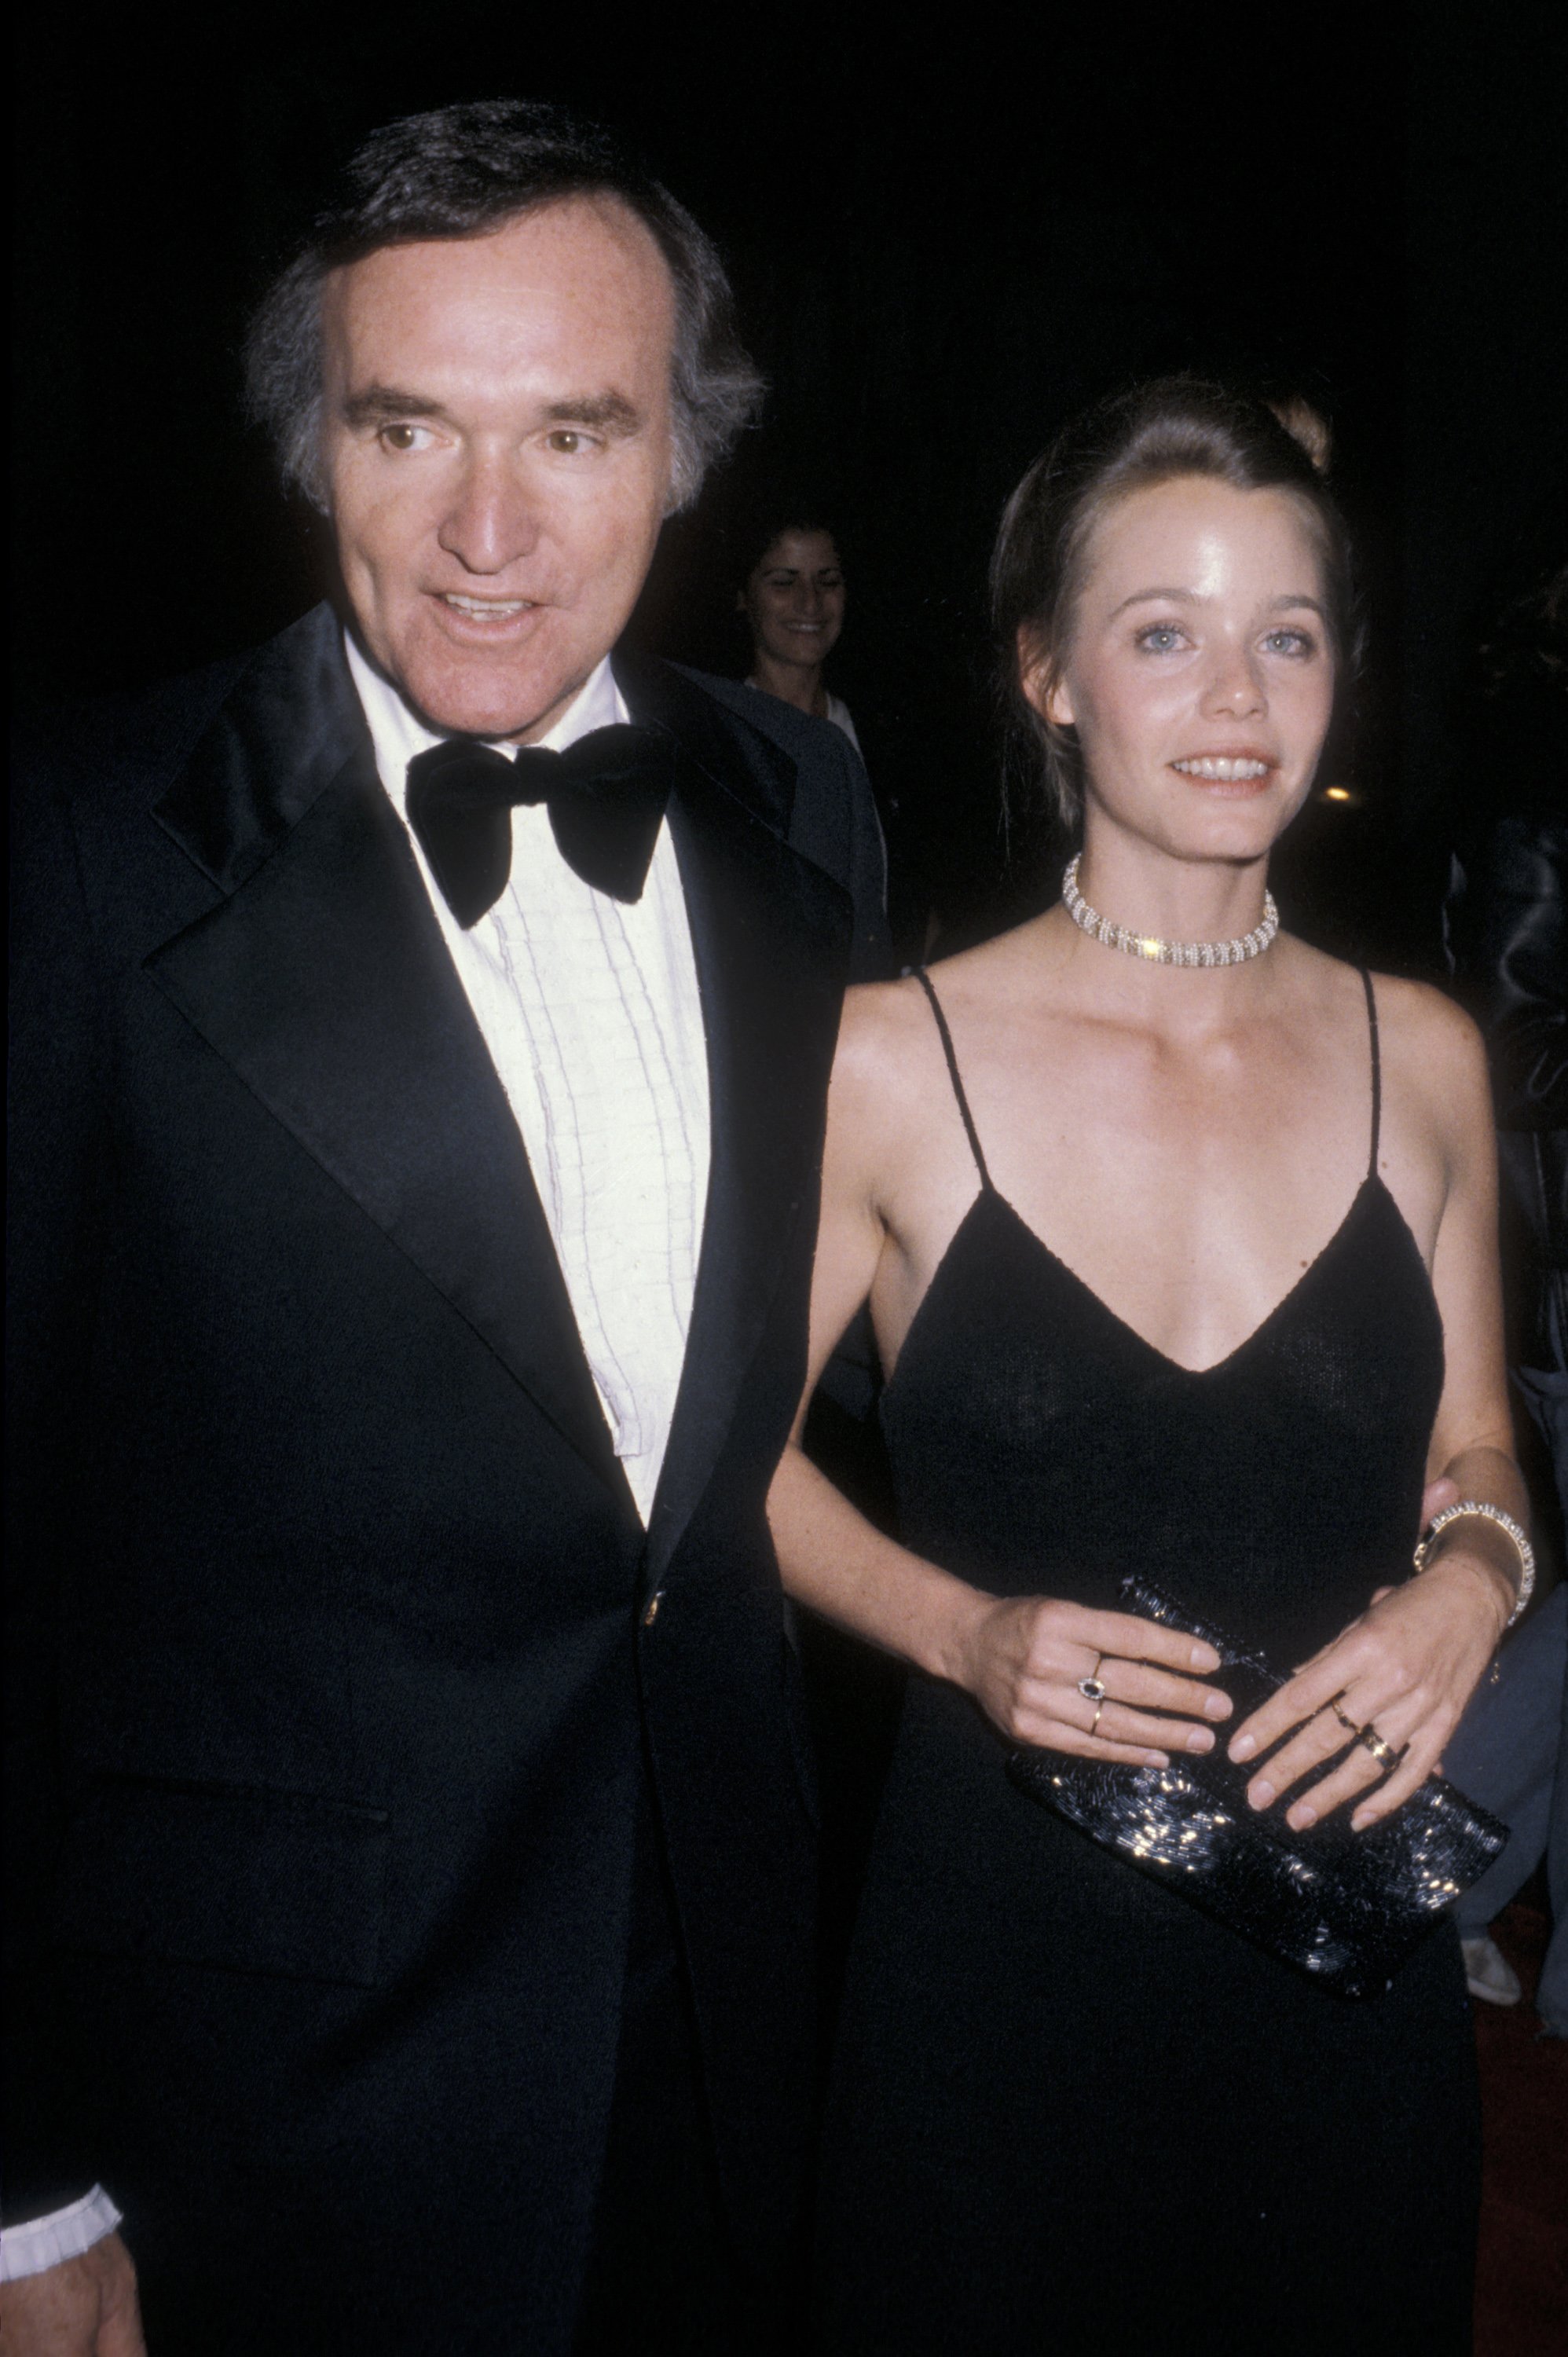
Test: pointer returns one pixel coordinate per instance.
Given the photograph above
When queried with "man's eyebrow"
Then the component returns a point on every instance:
(378, 403)
(606, 413)
(609, 412)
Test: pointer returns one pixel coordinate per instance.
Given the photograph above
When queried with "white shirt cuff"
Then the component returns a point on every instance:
(61, 2234)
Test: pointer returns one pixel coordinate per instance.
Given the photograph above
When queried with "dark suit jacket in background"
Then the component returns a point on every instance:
(331, 1662)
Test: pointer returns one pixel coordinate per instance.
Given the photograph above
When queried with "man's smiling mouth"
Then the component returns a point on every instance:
(485, 609)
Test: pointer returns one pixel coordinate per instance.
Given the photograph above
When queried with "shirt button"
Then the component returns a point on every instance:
(651, 1609)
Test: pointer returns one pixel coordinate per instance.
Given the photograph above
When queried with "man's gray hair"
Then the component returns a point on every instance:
(459, 172)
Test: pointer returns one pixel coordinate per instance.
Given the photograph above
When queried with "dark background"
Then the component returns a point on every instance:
(948, 232)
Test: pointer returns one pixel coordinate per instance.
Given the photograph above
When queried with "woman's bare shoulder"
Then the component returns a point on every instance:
(886, 1072)
(881, 1017)
(1433, 1053)
(1426, 1030)
(889, 1028)
(1425, 1038)
(887, 1038)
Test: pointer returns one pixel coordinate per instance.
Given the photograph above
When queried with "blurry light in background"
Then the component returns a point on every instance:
(1337, 794)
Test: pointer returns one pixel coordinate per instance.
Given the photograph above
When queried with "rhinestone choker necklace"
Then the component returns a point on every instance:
(1150, 945)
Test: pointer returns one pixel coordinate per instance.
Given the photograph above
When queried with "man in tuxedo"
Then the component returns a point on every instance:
(423, 1028)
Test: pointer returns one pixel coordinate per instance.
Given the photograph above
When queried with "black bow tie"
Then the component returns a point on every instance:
(606, 795)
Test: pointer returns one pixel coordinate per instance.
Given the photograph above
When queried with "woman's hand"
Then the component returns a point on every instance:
(1404, 1672)
(1026, 1659)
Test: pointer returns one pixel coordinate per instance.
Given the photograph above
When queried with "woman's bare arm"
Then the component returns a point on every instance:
(1020, 1657)
(830, 1557)
(1408, 1666)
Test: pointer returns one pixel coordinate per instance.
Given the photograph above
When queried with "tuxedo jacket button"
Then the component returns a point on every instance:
(651, 1609)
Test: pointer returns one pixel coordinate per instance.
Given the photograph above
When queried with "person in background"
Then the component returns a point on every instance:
(1507, 934)
(793, 595)
(791, 591)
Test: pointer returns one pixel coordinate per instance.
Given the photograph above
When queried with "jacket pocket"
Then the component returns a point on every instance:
(240, 1876)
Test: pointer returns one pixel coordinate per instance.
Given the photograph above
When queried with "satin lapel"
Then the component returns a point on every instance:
(771, 936)
(323, 980)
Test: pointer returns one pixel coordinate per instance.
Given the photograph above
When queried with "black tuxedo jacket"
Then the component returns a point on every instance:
(332, 1650)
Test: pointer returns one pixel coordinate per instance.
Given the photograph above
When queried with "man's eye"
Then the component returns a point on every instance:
(568, 440)
(401, 436)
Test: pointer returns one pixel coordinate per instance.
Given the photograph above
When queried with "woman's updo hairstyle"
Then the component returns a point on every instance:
(1177, 425)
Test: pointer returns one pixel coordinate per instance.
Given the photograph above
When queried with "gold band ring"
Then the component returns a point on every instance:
(1099, 1706)
(1368, 1739)
(1383, 1753)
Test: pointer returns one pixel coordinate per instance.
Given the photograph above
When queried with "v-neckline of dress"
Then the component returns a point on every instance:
(1371, 1186)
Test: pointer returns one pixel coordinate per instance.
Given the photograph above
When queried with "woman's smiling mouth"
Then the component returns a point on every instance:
(1223, 769)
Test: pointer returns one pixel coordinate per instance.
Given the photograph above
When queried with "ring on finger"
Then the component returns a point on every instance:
(1099, 1706)
(1383, 1753)
(1092, 1689)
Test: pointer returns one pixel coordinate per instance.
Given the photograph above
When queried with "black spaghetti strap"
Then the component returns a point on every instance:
(1377, 1068)
(924, 979)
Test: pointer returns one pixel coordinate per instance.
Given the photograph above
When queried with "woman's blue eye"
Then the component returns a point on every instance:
(1161, 638)
(1291, 642)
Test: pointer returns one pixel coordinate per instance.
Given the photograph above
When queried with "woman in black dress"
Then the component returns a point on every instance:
(1183, 1264)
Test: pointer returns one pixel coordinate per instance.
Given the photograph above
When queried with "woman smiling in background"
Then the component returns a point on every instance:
(793, 600)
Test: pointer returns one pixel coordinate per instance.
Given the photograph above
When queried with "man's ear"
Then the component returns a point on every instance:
(1042, 684)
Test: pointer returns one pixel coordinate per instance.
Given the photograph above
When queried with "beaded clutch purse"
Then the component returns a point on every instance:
(1346, 1908)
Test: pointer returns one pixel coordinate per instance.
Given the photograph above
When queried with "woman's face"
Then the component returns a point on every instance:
(1199, 672)
(794, 597)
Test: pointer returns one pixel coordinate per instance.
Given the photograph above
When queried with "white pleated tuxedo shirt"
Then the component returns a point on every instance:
(590, 1011)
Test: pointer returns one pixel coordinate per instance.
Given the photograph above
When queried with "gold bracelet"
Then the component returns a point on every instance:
(1505, 1521)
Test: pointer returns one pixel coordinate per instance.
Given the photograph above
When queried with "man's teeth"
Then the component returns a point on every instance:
(1222, 772)
(489, 609)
